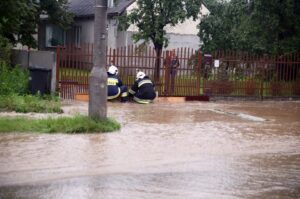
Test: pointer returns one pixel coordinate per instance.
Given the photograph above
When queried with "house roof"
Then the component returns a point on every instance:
(84, 8)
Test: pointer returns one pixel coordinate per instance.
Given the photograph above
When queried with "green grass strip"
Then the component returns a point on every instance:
(30, 103)
(76, 124)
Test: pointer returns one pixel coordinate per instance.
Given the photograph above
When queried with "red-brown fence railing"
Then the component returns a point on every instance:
(244, 74)
(218, 74)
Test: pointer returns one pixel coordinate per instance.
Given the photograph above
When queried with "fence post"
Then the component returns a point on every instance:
(199, 66)
(114, 57)
(167, 74)
(57, 67)
(262, 79)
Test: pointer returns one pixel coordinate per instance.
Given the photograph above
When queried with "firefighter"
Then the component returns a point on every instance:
(115, 87)
(142, 90)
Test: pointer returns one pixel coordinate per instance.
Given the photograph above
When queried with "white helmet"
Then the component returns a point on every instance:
(113, 70)
(140, 75)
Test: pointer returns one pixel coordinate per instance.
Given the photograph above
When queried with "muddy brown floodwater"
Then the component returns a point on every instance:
(166, 151)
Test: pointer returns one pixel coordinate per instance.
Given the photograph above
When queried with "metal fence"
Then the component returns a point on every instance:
(243, 74)
(195, 74)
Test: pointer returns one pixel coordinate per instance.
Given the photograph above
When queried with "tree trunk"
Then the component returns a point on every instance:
(158, 51)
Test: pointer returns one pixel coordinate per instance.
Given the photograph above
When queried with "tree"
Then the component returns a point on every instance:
(257, 26)
(152, 16)
(277, 28)
(19, 18)
(214, 29)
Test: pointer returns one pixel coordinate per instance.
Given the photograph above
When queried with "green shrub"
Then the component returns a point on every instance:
(13, 80)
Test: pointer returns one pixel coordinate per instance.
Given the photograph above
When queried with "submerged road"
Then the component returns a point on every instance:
(167, 151)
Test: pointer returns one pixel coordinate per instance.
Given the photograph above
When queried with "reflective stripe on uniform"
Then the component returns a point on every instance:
(141, 101)
(125, 94)
(146, 81)
(114, 96)
(112, 81)
(131, 91)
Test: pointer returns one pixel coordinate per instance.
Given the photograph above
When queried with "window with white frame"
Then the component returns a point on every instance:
(110, 3)
(55, 36)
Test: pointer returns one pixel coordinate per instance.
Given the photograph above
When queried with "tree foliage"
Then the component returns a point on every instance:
(19, 18)
(152, 16)
(5, 48)
(259, 26)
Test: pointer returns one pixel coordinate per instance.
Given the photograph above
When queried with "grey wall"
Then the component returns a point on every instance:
(87, 30)
(112, 33)
(37, 59)
(20, 57)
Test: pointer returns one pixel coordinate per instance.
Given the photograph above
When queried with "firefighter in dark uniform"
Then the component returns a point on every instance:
(115, 87)
(142, 90)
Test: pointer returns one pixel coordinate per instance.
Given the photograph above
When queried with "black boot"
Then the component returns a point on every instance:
(124, 99)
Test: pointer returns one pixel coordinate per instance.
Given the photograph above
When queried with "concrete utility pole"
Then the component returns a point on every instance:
(98, 76)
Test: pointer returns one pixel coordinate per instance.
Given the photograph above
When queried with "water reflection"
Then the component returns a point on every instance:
(163, 150)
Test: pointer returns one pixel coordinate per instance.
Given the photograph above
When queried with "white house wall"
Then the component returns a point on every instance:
(177, 41)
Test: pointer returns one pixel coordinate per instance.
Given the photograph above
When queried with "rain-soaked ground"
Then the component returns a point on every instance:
(166, 151)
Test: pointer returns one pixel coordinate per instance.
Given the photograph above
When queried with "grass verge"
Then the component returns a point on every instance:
(30, 103)
(77, 124)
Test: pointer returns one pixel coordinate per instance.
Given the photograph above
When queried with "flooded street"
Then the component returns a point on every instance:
(168, 151)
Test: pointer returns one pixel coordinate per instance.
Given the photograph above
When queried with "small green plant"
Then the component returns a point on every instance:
(14, 93)
(77, 124)
(13, 80)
